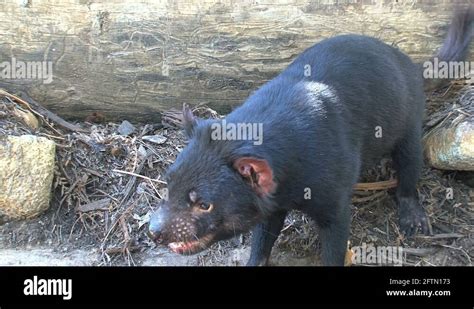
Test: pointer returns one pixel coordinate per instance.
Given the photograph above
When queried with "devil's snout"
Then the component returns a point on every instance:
(157, 223)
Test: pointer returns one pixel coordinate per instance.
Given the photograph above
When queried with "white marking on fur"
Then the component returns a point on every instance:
(316, 92)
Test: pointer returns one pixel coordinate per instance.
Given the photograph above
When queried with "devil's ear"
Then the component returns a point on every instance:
(189, 121)
(258, 173)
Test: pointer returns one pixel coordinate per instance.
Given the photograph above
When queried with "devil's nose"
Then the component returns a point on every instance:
(155, 227)
(154, 230)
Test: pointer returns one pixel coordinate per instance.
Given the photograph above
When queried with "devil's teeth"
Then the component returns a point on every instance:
(174, 245)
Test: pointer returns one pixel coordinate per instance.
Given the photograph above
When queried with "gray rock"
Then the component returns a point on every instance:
(142, 153)
(156, 139)
(126, 128)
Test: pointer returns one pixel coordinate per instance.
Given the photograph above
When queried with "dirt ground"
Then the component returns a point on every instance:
(107, 184)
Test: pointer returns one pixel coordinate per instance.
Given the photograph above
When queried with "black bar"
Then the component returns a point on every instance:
(241, 285)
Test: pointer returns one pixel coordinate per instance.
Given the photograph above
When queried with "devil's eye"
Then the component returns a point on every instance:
(205, 206)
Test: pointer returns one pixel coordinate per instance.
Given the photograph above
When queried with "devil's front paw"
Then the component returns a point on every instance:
(412, 217)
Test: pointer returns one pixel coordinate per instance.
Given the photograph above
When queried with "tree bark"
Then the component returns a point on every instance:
(134, 60)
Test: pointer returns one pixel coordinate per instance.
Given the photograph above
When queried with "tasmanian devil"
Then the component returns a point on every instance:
(339, 107)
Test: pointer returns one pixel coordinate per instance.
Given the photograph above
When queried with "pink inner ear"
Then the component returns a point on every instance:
(248, 165)
(245, 170)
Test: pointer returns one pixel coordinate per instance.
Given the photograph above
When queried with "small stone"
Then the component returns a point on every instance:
(142, 153)
(126, 128)
(156, 139)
